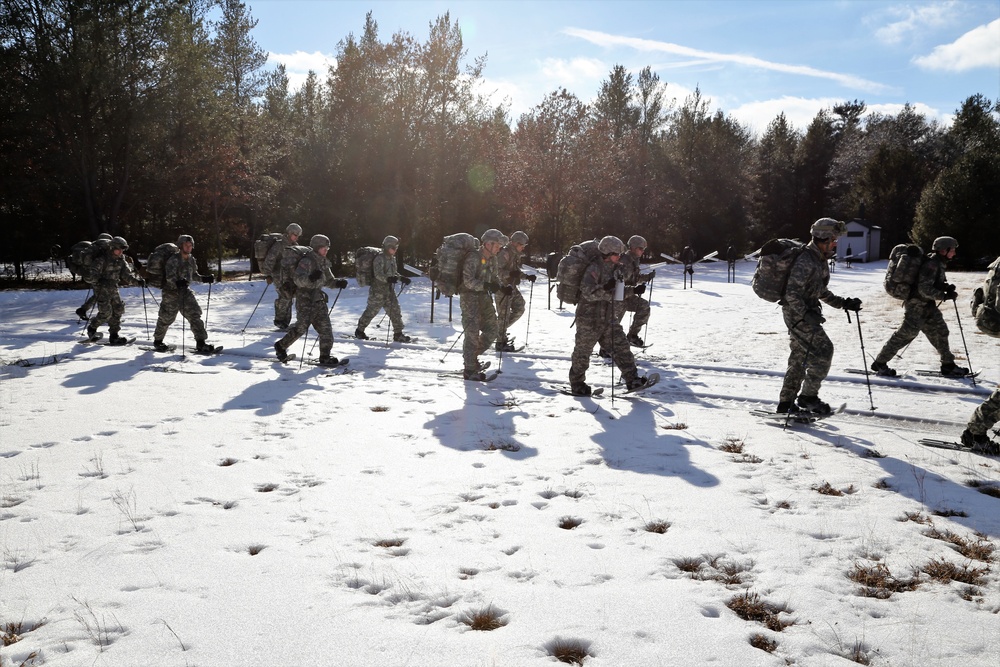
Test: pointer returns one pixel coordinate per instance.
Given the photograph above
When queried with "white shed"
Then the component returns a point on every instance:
(863, 239)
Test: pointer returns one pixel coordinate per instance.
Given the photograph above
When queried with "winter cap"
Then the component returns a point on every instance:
(293, 230)
(519, 237)
(185, 238)
(494, 236)
(637, 242)
(104, 237)
(825, 229)
(944, 243)
(319, 241)
(119, 242)
(390, 242)
(611, 245)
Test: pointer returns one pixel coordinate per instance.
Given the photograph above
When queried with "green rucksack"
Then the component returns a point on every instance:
(569, 275)
(903, 271)
(449, 262)
(157, 261)
(774, 264)
(364, 264)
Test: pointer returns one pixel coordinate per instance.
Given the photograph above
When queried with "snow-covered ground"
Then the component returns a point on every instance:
(229, 511)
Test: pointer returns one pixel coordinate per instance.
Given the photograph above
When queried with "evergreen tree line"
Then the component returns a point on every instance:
(149, 118)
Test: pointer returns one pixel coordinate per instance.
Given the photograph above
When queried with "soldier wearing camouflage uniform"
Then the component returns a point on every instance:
(283, 285)
(921, 313)
(109, 270)
(479, 317)
(83, 312)
(509, 300)
(382, 292)
(595, 321)
(312, 274)
(179, 271)
(635, 285)
(976, 435)
(811, 349)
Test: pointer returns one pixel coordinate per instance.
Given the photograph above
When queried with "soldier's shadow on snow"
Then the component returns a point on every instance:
(630, 441)
(98, 379)
(482, 424)
(269, 397)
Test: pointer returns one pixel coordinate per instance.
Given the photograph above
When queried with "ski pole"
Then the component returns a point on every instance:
(208, 304)
(610, 333)
(453, 345)
(155, 302)
(384, 314)
(183, 338)
(864, 357)
(649, 297)
(145, 315)
(527, 326)
(962, 331)
(266, 285)
(506, 316)
(313, 349)
(305, 337)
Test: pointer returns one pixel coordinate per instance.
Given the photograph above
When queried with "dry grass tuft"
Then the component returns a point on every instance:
(486, 619)
(11, 632)
(255, 549)
(950, 513)
(379, 408)
(574, 493)
(877, 582)
(763, 643)
(690, 565)
(657, 526)
(228, 461)
(747, 458)
(873, 453)
(750, 607)
(946, 572)
(783, 505)
(266, 488)
(987, 488)
(980, 549)
(915, 517)
(679, 426)
(389, 542)
(827, 490)
(570, 651)
(569, 522)
(882, 484)
(732, 446)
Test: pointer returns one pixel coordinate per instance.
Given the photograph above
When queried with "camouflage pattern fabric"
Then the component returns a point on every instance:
(310, 304)
(921, 314)
(811, 349)
(986, 415)
(183, 301)
(479, 317)
(595, 324)
(382, 293)
(510, 307)
(283, 285)
(110, 273)
(628, 270)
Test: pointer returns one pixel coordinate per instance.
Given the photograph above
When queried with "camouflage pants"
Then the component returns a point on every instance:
(809, 360)
(283, 304)
(986, 415)
(919, 316)
(594, 324)
(183, 302)
(89, 303)
(633, 304)
(311, 312)
(479, 322)
(510, 308)
(110, 308)
(379, 298)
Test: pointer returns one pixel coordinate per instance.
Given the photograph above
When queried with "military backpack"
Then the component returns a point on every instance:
(774, 264)
(571, 268)
(74, 261)
(986, 302)
(364, 264)
(290, 259)
(91, 260)
(262, 248)
(449, 262)
(903, 271)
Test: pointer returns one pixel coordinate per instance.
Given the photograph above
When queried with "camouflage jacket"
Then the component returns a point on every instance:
(807, 284)
(509, 265)
(111, 271)
(932, 279)
(383, 268)
(476, 272)
(309, 287)
(271, 266)
(178, 268)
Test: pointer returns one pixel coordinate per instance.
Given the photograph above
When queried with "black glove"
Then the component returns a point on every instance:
(812, 317)
(315, 275)
(207, 278)
(951, 293)
(531, 277)
(181, 284)
(269, 279)
(492, 288)
(610, 285)
(142, 283)
(404, 280)
(340, 283)
(392, 279)
(507, 289)
(288, 286)
(639, 289)
(853, 303)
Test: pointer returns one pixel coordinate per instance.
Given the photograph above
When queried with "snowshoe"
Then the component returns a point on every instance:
(882, 368)
(204, 348)
(328, 361)
(634, 340)
(280, 352)
(115, 339)
(581, 389)
(814, 405)
(953, 371)
(400, 337)
(979, 443)
(360, 334)
(93, 335)
(160, 346)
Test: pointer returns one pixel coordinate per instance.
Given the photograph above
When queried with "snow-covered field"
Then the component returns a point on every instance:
(229, 511)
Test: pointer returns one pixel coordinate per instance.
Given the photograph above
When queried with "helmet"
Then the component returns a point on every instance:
(519, 237)
(825, 229)
(493, 236)
(185, 238)
(319, 241)
(637, 242)
(104, 237)
(293, 230)
(944, 243)
(611, 245)
(390, 242)
(119, 242)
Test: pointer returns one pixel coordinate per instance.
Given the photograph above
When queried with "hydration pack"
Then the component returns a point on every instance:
(903, 271)
(774, 264)
(157, 262)
(571, 268)
(364, 264)
(449, 261)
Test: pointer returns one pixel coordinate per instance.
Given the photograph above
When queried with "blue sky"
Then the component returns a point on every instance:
(751, 59)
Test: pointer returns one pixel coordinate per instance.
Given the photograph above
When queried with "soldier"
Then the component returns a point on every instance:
(811, 349)
(179, 271)
(635, 285)
(920, 312)
(595, 321)
(283, 285)
(479, 318)
(509, 301)
(312, 274)
(109, 270)
(382, 292)
(987, 312)
(83, 311)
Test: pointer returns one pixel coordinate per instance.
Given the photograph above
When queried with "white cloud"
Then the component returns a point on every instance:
(569, 73)
(299, 64)
(914, 20)
(648, 45)
(979, 47)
